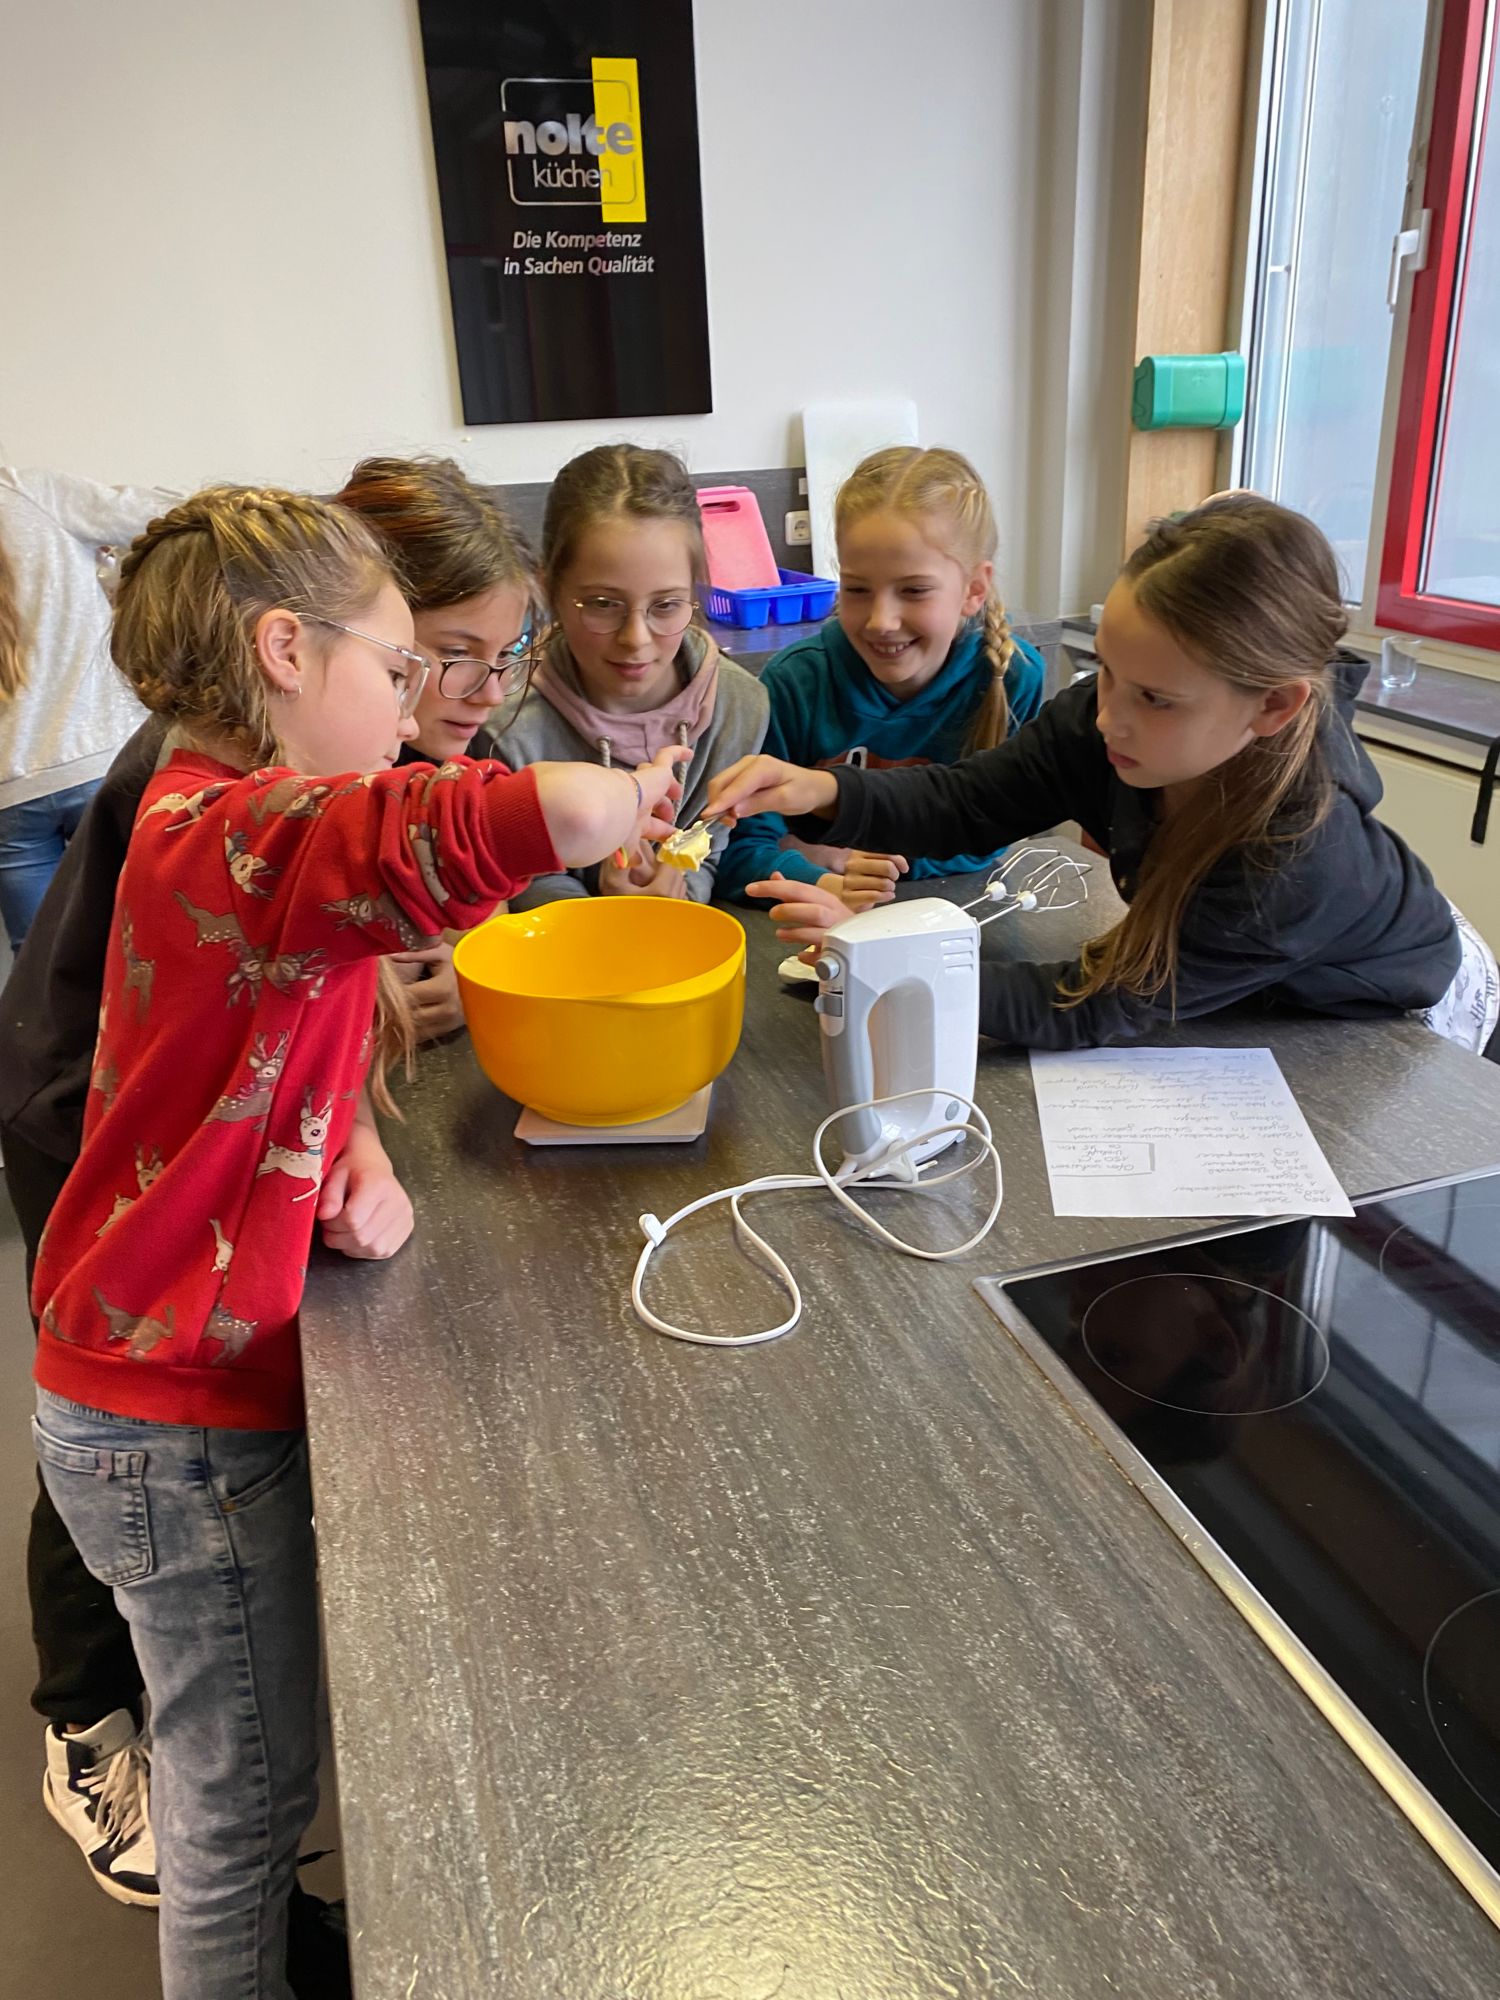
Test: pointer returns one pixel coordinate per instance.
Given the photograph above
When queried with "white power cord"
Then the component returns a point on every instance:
(892, 1168)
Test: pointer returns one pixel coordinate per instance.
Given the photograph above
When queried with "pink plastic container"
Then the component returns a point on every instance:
(739, 549)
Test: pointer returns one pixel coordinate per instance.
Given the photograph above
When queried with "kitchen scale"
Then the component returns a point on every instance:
(674, 1128)
(1313, 1407)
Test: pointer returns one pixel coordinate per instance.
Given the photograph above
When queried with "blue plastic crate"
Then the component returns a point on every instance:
(796, 600)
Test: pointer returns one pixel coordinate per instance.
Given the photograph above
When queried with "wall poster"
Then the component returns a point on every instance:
(566, 139)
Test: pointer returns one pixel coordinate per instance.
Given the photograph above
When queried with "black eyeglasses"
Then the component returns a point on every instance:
(462, 678)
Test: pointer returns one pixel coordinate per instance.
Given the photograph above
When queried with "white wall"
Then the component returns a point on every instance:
(222, 255)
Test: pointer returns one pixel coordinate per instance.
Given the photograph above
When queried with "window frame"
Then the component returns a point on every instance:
(1401, 605)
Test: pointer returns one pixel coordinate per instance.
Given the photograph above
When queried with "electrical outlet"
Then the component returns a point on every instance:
(799, 530)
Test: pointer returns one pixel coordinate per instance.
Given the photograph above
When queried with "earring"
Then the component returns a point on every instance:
(291, 693)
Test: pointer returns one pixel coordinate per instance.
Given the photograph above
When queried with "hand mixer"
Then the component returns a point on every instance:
(898, 1000)
(898, 1005)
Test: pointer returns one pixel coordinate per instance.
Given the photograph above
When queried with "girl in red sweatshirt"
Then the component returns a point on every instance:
(277, 857)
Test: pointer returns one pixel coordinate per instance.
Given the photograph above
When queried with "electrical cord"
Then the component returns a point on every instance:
(890, 1169)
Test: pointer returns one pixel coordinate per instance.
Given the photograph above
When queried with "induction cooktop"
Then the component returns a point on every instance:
(1314, 1407)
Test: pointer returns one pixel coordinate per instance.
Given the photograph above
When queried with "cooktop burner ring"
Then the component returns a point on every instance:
(1323, 1357)
(1411, 1233)
(1447, 1626)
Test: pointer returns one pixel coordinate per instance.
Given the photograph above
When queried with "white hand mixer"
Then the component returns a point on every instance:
(898, 1005)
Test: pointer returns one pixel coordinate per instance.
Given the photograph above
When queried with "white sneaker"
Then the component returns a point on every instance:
(97, 1789)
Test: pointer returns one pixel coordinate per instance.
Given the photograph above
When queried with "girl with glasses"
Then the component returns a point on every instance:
(277, 858)
(468, 577)
(624, 671)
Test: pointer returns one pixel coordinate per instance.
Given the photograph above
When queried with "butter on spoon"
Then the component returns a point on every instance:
(688, 847)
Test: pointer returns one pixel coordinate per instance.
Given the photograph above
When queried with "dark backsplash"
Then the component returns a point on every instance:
(777, 489)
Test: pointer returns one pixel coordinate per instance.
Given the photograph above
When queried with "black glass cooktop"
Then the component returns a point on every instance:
(1324, 1398)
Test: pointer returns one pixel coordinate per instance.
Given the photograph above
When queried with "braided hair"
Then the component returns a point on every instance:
(194, 585)
(940, 486)
(192, 589)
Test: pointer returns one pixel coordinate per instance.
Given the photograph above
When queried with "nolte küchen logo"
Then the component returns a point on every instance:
(576, 141)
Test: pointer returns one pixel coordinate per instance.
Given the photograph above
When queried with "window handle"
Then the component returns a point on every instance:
(1408, 246)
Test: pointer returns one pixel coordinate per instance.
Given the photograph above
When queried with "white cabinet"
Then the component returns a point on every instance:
(1431, 805)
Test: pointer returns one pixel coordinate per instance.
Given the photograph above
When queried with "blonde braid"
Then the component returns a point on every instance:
(941, 492)
(991, 724)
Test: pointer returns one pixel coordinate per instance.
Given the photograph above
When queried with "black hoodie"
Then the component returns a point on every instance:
(1346, 921)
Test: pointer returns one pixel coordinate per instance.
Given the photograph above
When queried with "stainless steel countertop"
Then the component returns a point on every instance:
(847, 1666)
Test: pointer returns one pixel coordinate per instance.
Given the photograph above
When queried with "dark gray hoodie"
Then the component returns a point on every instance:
(1346, 921)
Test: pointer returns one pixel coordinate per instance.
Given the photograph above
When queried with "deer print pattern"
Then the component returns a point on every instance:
(366, 910)
(245, 867)
(425, 849)
(284, 971)
(190, 804)
(146, 1172)
(306, 1164)
(140, 973)
(235, 1334)
(212, 928)
(292, 798)
(106, 1080)
(139, 1333)
(223, 1248)
(252, 1098)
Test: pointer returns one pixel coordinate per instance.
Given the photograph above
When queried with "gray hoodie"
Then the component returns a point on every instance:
(553, 721)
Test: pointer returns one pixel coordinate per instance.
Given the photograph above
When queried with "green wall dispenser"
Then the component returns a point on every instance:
(1188, 392)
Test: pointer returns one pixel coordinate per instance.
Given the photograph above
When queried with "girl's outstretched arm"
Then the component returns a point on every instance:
(1051, 770)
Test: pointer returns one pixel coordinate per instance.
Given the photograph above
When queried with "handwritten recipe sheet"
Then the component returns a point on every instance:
(1178, 1132)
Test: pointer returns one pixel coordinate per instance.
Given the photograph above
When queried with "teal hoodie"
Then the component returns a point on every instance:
(827, 708)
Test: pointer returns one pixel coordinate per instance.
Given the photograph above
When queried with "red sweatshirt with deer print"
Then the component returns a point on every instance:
(234, 1037)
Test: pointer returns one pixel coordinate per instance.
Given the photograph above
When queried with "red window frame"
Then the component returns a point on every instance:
(1416, 462)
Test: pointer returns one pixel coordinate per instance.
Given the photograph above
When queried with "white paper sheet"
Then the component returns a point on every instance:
(1178, 1132)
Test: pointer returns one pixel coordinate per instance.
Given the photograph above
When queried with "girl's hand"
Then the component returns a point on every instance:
(873, 873)
(853, 897)
(765, 784)
(661, 788)
(807, 912)
(432, 989)
(364, 1210)
(642, 875)
(591, 812)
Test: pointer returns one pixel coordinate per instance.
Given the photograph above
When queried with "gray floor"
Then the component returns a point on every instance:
(62, 1936)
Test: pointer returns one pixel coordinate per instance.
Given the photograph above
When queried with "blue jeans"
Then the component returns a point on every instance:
(32, 839)
(206, 1538)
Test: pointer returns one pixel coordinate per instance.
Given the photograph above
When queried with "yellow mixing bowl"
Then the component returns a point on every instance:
(604, 1010)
